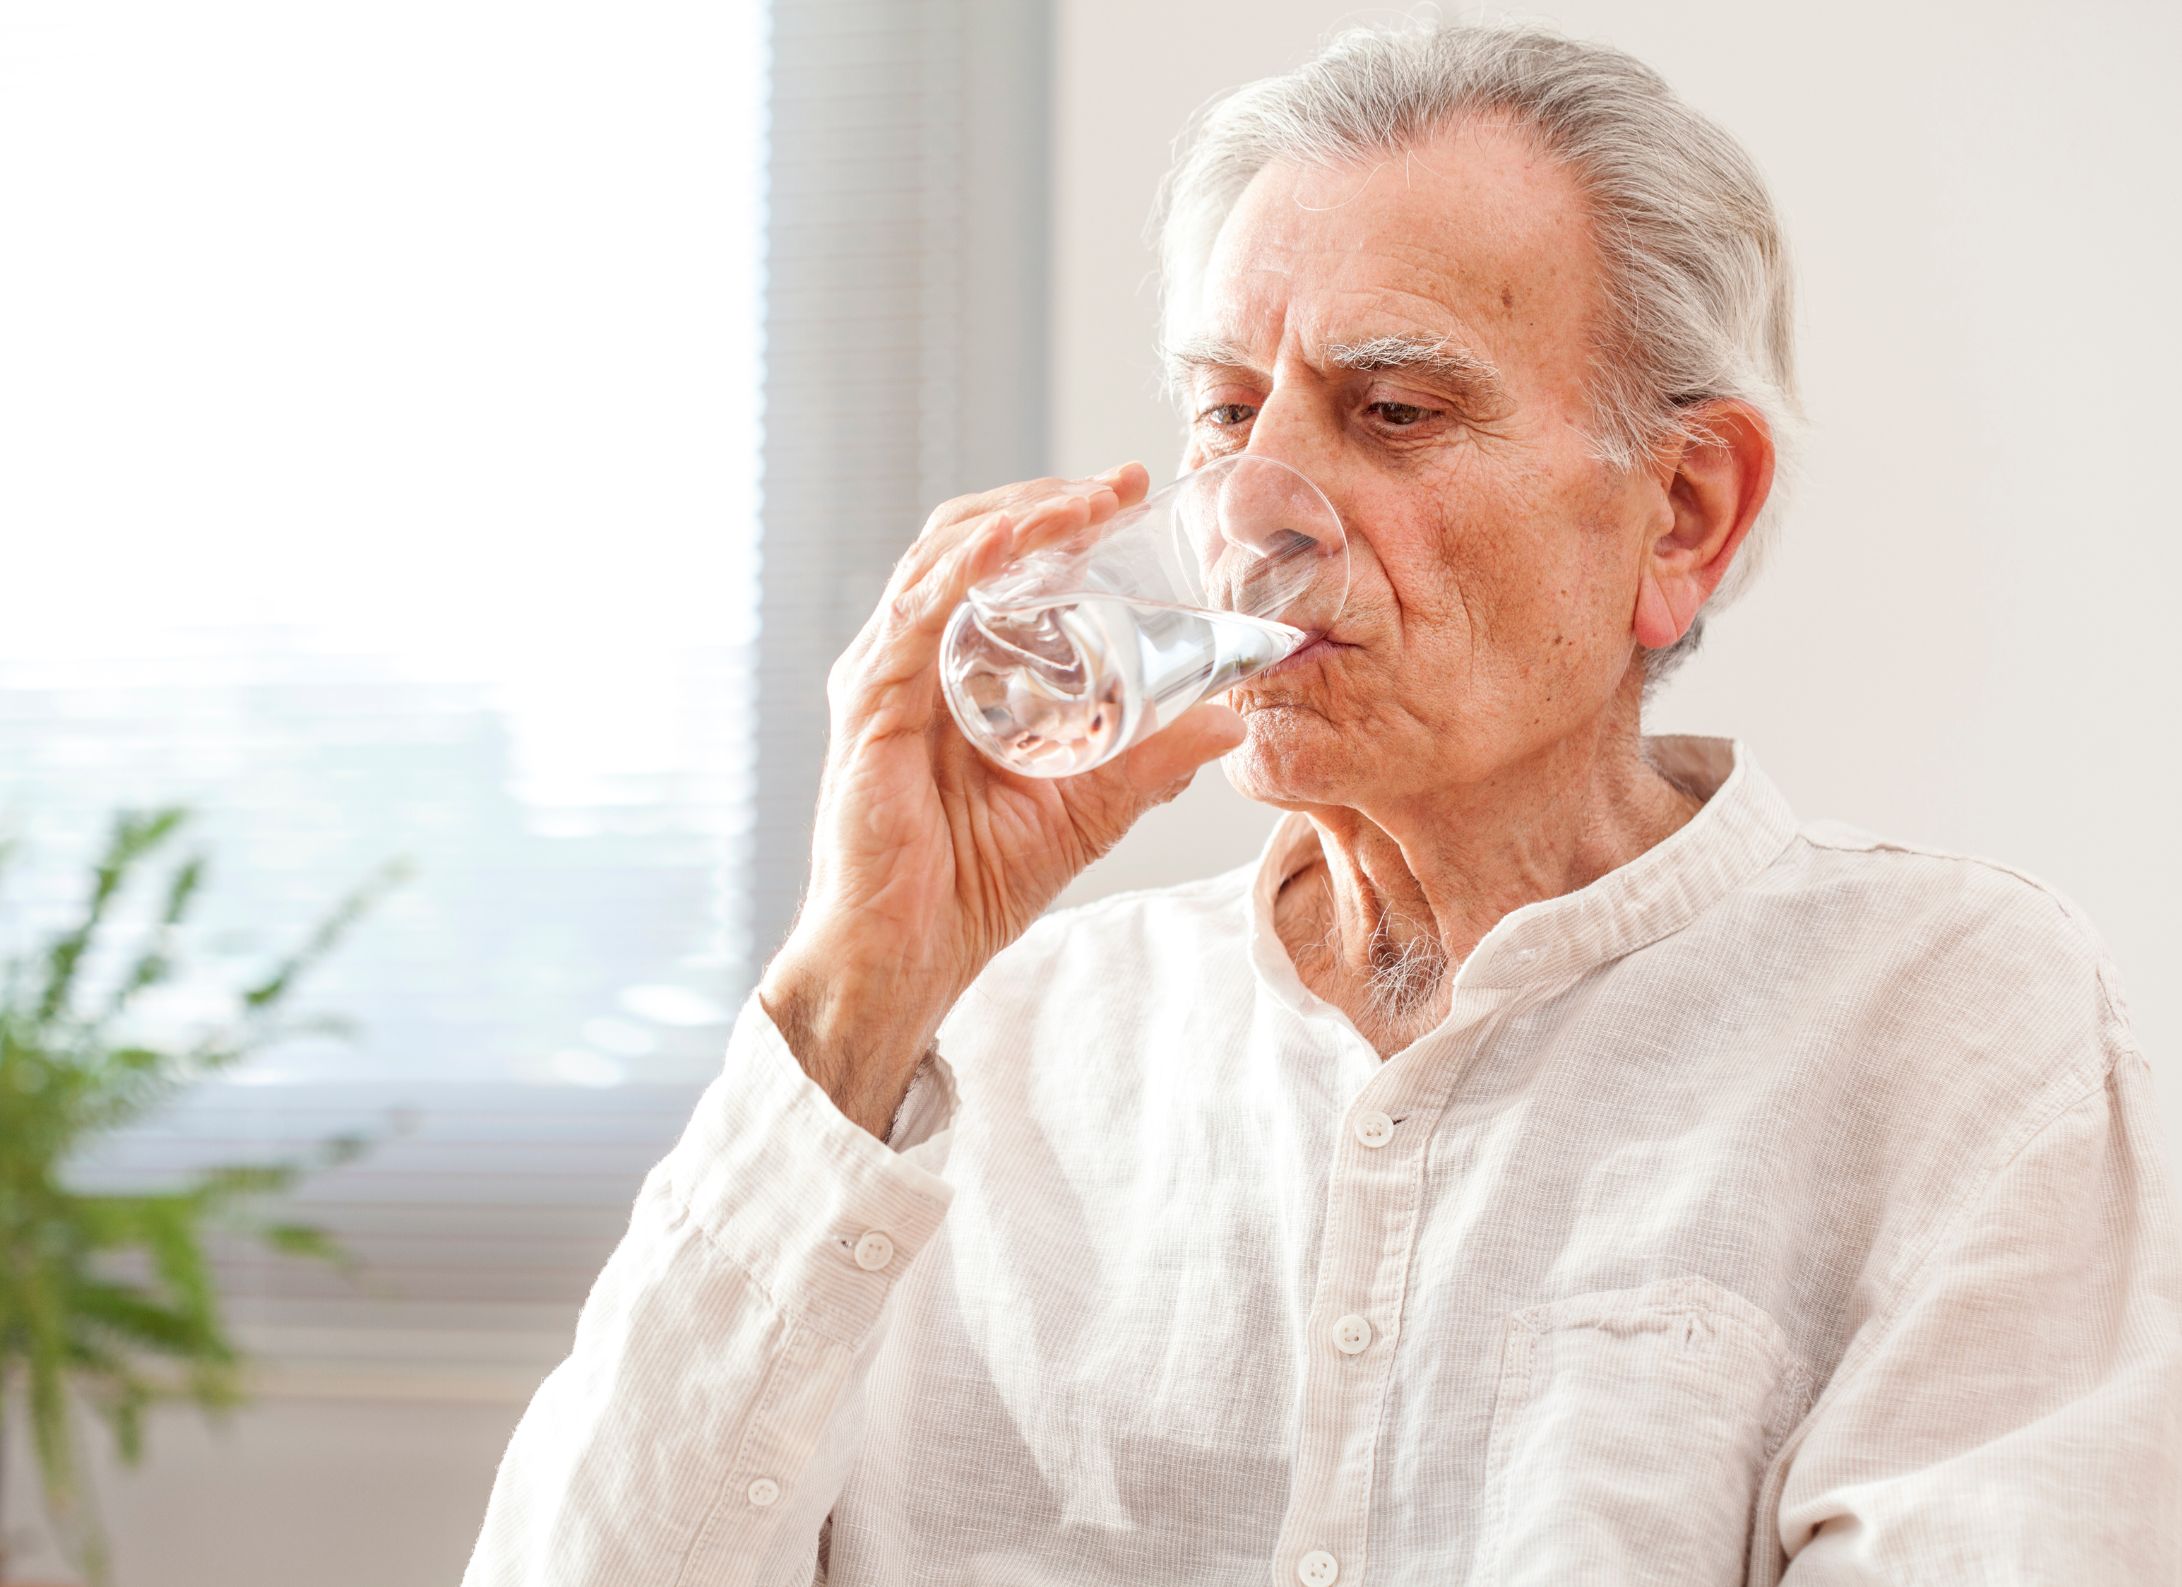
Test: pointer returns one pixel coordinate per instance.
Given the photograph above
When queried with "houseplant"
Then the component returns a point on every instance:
(69, 1324)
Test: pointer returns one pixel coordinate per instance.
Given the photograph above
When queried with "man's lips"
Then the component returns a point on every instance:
(1307, 656)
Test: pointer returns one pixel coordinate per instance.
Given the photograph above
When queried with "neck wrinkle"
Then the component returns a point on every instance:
(1383, 917)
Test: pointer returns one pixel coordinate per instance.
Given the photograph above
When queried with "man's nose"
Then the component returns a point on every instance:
(1272, 508)
(1292, 498)
(1290, 429)
(1282, 546)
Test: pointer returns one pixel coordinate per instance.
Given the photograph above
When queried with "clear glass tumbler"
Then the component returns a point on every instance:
(1072, 653)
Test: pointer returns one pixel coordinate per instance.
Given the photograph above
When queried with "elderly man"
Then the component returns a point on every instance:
(1551, 1160)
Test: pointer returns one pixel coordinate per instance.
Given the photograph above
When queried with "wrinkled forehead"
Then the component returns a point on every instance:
(1475, 236)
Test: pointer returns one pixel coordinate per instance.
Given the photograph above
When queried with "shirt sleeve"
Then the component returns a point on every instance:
(2018, 1418)
(708, 1414)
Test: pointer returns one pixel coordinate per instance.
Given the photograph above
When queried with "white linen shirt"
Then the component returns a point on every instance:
(1786, 1205)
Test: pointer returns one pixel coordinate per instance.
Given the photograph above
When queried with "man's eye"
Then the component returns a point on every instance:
(1402, 415)
(1395, 415)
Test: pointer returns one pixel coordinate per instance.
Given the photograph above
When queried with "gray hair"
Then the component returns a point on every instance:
(1699, 290)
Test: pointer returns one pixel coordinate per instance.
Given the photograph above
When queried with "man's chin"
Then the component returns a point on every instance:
(1287, 761)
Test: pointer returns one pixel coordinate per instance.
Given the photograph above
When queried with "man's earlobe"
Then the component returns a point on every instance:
(1665, 609)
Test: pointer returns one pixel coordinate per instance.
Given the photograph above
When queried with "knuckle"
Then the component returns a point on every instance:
(909, 564)
(956, 563)
(908, 604)
(961, 508)
(1032, 492)
(953, 510)
(841, 678)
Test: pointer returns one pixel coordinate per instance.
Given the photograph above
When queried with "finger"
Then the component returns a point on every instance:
(928, 599)
(931, 548)
(909, 624)
(936, 572)
(913, 565)
(1008, 498)
(1107, 802)
(903, 603)
(1132, 482)
(1129, 481)
(940, 537)
(1056, 531)
(1161, 766)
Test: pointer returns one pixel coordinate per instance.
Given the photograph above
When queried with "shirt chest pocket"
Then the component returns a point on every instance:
(1630, 1436)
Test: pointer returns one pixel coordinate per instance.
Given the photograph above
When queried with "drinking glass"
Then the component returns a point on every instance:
(1073, 652)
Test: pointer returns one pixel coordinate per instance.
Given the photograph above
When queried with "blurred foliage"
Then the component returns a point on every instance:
(67, 1323)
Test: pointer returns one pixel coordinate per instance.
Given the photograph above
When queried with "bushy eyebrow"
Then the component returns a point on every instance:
(1439, 359)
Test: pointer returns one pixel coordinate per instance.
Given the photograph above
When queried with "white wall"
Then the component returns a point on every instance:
(1966, 640)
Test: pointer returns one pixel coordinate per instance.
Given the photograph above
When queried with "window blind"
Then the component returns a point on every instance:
(468, 433)
(905, 328)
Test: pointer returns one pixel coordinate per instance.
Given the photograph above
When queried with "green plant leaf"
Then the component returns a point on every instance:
(153, 967)
(45, 1352)
(229, 1180)
(126, 1414)
(151, 1078)
(180, 1261)
(134, 835)
(115, 1392)
(120, 1311)
(347, 1146)
(329, 932)
(302, 1239)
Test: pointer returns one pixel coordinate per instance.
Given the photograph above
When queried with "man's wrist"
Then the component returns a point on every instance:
(854, 1032)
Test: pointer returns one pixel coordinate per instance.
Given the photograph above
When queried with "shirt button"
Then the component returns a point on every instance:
(764, 1491)
(1525, 955)
(1351, 1334)
(1317, 1569)
(1374, 1129)
(874, 1251)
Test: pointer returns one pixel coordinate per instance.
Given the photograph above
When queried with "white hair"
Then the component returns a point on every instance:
(1697, 281)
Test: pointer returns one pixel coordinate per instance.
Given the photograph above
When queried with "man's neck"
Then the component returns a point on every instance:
(1383, 908)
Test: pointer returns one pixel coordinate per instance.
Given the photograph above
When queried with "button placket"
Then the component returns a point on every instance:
(1373, 1203)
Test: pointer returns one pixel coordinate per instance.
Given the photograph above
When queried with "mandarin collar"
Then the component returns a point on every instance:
(1742, 826)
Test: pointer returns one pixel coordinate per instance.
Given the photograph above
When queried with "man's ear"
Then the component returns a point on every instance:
(1713, 490)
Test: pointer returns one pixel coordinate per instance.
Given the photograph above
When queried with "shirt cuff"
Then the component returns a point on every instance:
(928, 1109)
(812, 1206)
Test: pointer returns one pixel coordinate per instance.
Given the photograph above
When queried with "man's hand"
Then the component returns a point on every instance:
(927, 858)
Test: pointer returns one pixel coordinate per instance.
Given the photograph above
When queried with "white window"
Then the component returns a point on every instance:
(461, 431)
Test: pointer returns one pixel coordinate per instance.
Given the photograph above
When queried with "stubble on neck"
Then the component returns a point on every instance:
(1401, 993)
